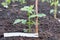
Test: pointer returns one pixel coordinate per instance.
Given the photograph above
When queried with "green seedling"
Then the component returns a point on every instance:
(55, 3)
(30, 11)
(31, 14)
(29, 22)
(7, 2)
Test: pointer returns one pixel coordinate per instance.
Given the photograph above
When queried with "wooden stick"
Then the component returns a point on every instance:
(36, 7)
(55, 10)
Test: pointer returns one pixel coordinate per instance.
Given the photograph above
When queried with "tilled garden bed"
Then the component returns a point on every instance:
(49, 28)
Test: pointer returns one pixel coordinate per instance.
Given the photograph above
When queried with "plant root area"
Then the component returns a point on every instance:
(49, 28)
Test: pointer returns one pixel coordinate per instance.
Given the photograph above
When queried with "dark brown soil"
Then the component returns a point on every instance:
(49, 28)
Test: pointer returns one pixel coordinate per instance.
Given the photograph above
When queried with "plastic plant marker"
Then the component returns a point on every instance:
(13, 34)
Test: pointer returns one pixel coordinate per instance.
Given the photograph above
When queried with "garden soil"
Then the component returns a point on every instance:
(49, 28)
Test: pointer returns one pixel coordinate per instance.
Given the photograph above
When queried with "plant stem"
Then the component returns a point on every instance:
(29, 23)
(36, 6)
(55, 11)
(29, 26)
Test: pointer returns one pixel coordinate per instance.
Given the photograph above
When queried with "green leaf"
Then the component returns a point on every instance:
(24, 21)
(29, 9)
(25, 8)
(8, 1)
(39, 15)
(52, 3)
(59, 12)
(25, 30)
(14, 0)
(22, 1)
(32, 6)
(32, 16)
(51, 11)
(20, 20)
(59, 4)
(43, 0)
(17, 21)
(4, 4)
